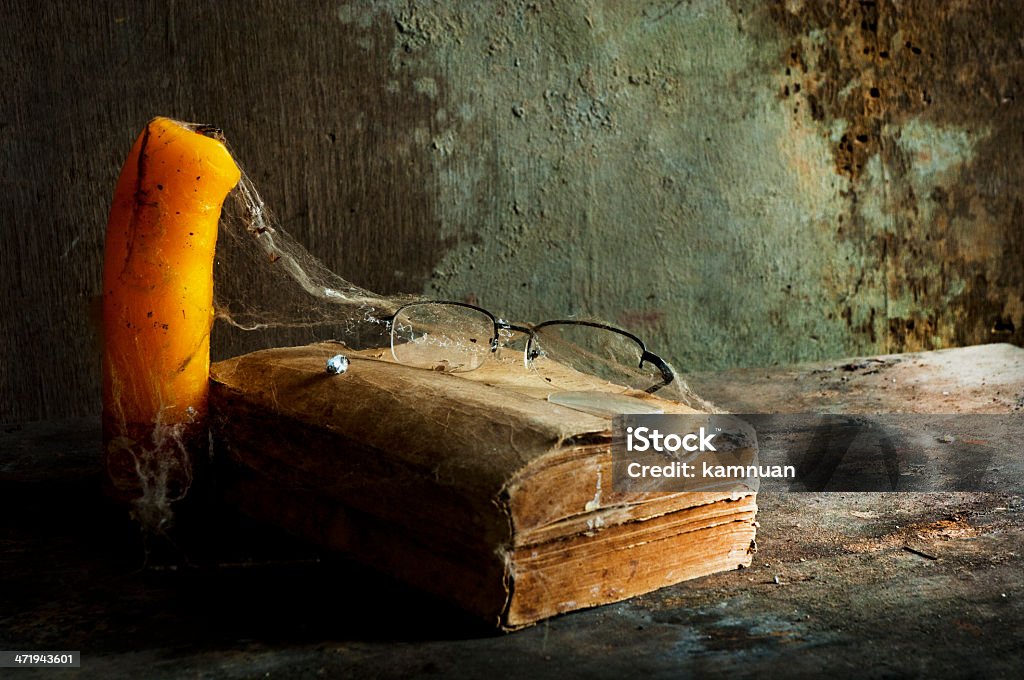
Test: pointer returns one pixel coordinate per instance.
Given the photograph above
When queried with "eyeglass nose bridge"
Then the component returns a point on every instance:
(502, 325)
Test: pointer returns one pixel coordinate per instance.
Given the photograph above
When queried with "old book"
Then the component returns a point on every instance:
(472, 486)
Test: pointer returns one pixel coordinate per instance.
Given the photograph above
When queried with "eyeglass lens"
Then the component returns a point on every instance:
(598, 351)
(442, 337)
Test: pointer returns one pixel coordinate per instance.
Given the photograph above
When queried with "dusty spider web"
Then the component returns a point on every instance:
(270, 291)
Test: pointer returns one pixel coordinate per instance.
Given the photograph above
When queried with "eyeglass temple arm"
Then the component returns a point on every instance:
(667, 374)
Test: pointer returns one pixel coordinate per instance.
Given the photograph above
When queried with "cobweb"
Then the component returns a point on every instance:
(265, 280)
(270, 291)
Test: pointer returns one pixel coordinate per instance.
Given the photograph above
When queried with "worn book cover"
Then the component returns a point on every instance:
(471, 486)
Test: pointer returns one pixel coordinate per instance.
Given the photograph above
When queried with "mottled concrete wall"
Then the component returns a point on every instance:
(743, 183)
(746, 184)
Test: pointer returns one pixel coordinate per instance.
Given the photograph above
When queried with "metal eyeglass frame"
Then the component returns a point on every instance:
(667, 374)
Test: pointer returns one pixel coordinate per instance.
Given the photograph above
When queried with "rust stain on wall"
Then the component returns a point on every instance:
(921, 102)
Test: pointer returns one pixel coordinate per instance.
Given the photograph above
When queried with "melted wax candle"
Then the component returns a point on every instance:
(158, 305)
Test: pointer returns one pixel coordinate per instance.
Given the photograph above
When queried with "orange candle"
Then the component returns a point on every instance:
(158, 306)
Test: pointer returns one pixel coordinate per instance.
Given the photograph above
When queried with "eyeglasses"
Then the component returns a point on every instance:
(458, 337)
